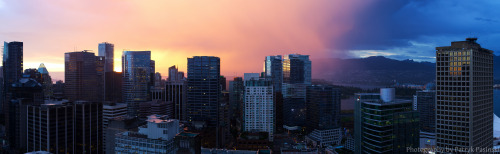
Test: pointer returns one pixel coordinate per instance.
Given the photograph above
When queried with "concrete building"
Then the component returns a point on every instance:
(464, 96)
(259, 107)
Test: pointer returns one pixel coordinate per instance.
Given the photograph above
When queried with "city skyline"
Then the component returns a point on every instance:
(395, 29)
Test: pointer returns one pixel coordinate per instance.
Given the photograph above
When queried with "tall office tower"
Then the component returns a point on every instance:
(156, 137)
(203, 90)
(236, 99)
(80, 76)
(259, 107)
(136, 69)
(323, 115)
(107, 50)
(425, 103)
(50, 128)
(12, 71)
(24, 92)
(12, 62)
(296, 69)
(296, 77)
(113, 82)
(294, 106)
(101, 84)
(464, 95)
(46, 81)
(88, 124)
(388, 125)
(175, 92)
(273, 69)
(361, 97)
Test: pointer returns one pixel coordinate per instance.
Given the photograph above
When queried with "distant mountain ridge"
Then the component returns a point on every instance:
(379, 70)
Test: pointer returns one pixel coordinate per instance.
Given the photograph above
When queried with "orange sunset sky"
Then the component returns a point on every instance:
(241, 33)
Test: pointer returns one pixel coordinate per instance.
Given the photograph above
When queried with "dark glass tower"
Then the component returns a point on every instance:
(12, 65)
(107, 50)
(80, 76)
(273, 69)
(204, 89)
(387, 125)
(323, 107)
(464, 95)
(136, 68)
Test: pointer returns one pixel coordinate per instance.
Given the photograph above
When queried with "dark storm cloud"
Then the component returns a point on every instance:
(413, 28)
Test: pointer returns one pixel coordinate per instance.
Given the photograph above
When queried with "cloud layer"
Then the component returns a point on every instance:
(243, 32)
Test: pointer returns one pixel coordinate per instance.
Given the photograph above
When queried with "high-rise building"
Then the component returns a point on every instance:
(136, 69)
(323, 115)
(294, 106)
(236, 99)
(50, 128)
(80, 76)
(296, 69)
(464, 96)
(107, 50)
(259, 107)
(387, 125)
(157, 136)
(22, 93)
(113, 81)
(175, 92)
(88, 125)
(12, 66)
(65, 127)
(358, 122)
(273, 69)
(203, 89)
(12, 62)
(425, 103)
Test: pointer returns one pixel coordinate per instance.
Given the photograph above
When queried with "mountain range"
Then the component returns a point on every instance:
(379, 70)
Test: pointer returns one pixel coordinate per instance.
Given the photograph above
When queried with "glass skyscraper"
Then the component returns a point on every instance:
(464, 96)
(296, 69)
(387, 125)
(273, 69)
(107, 50)
(136, 69)
(203, 91)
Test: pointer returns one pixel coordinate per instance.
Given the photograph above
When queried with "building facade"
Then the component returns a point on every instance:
(157, 136)
(107, 50)
(259, 107)
(136, 69)
(464, 95)
(203, 89)
(80, 76)
(387, 125)
(323, 115)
